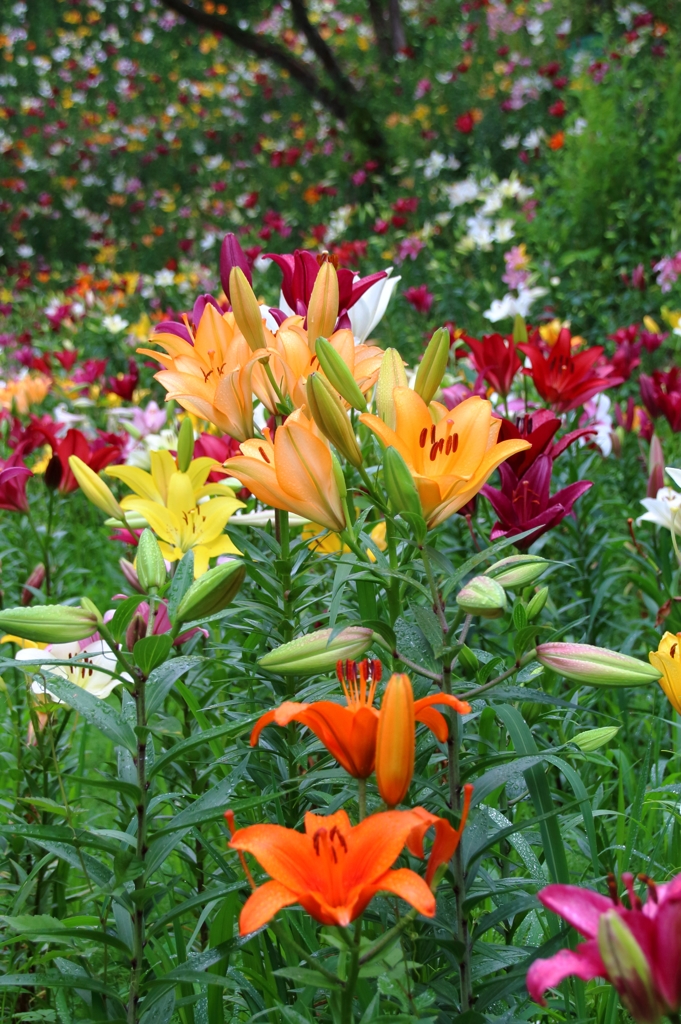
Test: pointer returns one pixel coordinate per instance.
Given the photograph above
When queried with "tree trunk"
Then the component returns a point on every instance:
(397, 36)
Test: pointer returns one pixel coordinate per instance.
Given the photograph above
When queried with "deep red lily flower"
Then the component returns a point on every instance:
(635, 418)
(526, 503)
(539, 429)
(300, 270)
(566, 380)
(495, 359)
(67, 357)
(91, 371)
(96, 455)
(124, 385)
(637, 948)
(13, 479)
(661, 394)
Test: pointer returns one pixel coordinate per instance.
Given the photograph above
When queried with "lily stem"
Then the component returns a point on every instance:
(437, 601)
(139, 941)
(362, 798)
(348, 994)
(283, 536)
(388, 938)
(525, 660)
(394, 603)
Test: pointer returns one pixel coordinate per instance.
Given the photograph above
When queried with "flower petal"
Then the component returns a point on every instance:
(263, 904)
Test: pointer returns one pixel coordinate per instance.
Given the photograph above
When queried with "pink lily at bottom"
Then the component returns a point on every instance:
(636, 948)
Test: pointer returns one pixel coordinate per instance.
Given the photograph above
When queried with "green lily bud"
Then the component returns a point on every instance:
(331, 418)
(49, 624)
(390, 376)
(246, 309)
(592, 739)
(482, 596)
(433, 365)
(628, 968)
(339, 477)
(151, 568)
(519, 330)
(536, 603)
(399, 483)
(596, 666)
(211, 592)
(517, 571)
(317, 652)
(185, 445)
(91, 608)
(338, 373)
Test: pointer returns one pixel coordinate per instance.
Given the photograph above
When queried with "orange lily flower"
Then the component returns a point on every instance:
(349, 732)
(450, 459)
(447, 838)
(333, 870)
(295, 473)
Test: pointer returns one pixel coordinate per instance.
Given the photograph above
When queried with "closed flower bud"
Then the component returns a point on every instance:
(91, 608)
(517, 571)
(519, 330)
(212, 592)
(390, 376)
(137, 630)
(94, 489)
(151, 568)
(34, 582)
(338, 373)
(536, 603)
(399, 484)
(130, 573)
(317, 652)
(185, 445)
(339, 477)
(395, 740)
(232, 255)
(49, 624)
(322, 309)
(595, 666)
(331, 418)
(592, 739)
(433, 365)
(628, 968)
(482, 596)
(246, 309)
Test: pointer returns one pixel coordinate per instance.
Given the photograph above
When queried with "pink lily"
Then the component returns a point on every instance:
(637, 948)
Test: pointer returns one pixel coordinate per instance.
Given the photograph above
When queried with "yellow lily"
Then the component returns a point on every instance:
(295, 473)
(450, 453)
(155, 486)
(667, 660)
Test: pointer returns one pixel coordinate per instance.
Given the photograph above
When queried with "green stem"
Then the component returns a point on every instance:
(348, 995)
(286, 939)
(284, 569)
(394, 604)
(417, 668)
(525, 660)
(137, 961)
(437, 603)
(388, 938)
(362, 798)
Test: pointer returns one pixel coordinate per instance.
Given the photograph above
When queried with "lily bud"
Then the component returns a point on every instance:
(151, 568)
(517, 571)
(331, 418)
(246, 309)
(433, 365)
(519, 330)
(596, 666)
(35, 580)
(317, 652)
(232, 255)
(338, 373)
(536, 603)
(322, 309)
(130, 573)
(395, 740)
(592, 739)
(399, 484)
(628, 968)
(49, 624)
(211, 592)
(137, 630)
(339, 477)
(482, 596)
(185, 445)
(94, 489)
(390, 376)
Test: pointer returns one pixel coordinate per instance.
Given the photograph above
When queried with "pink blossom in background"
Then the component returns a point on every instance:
(420, 298)
(516, 260)
(409, 247)
(502, 20)
(668, 270)
(422, 87)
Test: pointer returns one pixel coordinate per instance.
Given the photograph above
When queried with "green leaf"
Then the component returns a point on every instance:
(307, 976)
(162, 679)
(182, 581)
(152, 651)
(96, 712)
(160, 1011)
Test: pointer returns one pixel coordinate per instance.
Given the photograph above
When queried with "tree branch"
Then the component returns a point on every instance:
(377, 14)
(320, 47)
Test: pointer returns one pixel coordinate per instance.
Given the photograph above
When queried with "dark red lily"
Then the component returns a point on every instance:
(300, 271)
(539, 429)
(566, 380)
(96, 455)
(661, 394)
(495, 359)
(527, 504)
(13, 479)
(125, 383)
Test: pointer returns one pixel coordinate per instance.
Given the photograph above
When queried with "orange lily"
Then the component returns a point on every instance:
(349, 732)
(447, 838)
(295, 473)
(333, 870)
(450, 453)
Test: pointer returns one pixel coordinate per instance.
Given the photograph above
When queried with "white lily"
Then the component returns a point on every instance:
(663, 510)
(370, 309)
(92, 670)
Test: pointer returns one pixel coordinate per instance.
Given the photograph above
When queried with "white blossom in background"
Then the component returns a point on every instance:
(369, 310)
(91, 668)
(597, 415)
(511, 305)
(115, 324)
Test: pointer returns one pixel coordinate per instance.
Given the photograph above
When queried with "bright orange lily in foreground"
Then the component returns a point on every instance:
(349, 732)
(294, 474)
(450, 459)
(333, 870)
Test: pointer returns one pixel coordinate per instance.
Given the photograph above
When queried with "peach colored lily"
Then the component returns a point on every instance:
(449, 459)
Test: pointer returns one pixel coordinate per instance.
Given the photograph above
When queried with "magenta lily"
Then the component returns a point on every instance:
(637, 948)
(300, 269)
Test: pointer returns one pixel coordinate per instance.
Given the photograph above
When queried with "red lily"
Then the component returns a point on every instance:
(539, 429)
(300, 271)
(96, 455)
(125, 383)
(637, 948)
(661, 394)
(495, 359)
(13, 478)
(566, 380)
